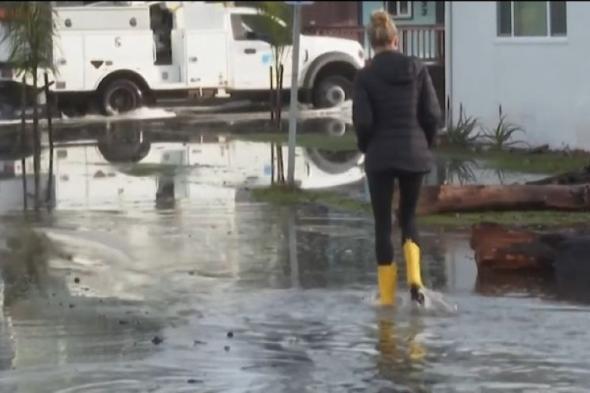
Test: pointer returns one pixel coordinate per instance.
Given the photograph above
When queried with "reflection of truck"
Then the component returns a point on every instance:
(125, 55)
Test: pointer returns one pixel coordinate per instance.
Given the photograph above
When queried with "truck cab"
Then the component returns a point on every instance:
(124, 56)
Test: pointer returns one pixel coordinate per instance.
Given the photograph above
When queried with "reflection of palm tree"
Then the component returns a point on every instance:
(461, 170)
(501, 173)
(10, 148)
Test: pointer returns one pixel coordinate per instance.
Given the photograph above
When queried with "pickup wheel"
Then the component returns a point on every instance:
(331, 91)
(120, 96)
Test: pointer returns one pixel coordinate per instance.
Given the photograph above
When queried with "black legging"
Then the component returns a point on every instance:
(381, 190)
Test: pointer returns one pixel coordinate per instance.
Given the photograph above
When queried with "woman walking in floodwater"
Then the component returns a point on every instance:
(396, 115)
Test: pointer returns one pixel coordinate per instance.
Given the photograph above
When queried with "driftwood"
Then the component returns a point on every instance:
(501, 249)
(469, 198)
(498, 248)
(555, 264)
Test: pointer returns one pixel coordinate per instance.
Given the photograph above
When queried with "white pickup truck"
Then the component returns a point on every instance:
(124, 56)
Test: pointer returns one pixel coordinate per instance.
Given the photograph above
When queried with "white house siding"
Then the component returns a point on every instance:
(543, 84)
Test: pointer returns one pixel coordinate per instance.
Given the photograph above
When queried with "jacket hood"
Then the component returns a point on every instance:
(394, 68)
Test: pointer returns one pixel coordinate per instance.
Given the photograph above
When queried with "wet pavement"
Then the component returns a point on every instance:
(155, 272)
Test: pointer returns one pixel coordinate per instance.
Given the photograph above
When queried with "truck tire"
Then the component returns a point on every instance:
(120, 96)
(331, 91)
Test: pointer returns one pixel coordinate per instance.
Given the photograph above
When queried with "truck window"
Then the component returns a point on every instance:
(241, 30)
(161, 23)
(251, 27)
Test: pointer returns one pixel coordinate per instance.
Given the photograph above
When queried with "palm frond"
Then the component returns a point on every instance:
(274, 21)
(29, 31)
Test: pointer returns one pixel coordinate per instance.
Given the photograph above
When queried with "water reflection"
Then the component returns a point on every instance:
(401, 356)
(127, 165)
(175, 252)
(49, 318)
(123, 145)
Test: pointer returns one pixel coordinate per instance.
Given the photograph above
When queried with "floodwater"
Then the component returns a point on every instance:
(155, 272)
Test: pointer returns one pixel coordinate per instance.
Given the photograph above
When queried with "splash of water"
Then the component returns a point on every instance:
(435, 303)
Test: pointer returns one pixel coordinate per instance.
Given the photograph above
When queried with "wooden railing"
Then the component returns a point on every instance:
(425, 42)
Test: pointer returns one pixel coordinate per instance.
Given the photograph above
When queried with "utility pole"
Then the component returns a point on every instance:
(293, 109)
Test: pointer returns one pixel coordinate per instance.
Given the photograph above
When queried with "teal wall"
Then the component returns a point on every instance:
(423, 13)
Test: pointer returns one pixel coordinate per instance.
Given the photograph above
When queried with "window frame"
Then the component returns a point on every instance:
(547, 36)
(408, 15)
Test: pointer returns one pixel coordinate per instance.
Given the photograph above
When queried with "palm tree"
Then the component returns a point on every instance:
(273, 23)
(29, 29)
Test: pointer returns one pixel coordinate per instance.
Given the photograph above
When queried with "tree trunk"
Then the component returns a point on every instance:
(23, 142)
(541, 263)
(278, 117)
(37, 141)
(50, 132)
(501, 249)
(272, 163)
(446, 199)
(271, 100)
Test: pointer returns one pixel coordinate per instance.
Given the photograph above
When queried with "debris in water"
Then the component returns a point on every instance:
(191, 381)
(123, 322)
(198, 342)
(77, 280)
(72, 306)
(230, 334)
(191, 273)
(157, 340)
(227, 348)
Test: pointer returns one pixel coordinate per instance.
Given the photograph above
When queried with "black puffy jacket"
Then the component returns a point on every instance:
(396, 113)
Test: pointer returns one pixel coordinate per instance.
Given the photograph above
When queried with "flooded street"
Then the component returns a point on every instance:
(156, 272)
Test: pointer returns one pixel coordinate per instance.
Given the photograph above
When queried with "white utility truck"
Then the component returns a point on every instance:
(124, 56)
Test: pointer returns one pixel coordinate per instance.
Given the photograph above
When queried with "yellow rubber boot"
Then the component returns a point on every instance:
(387, 281)
(412, 256)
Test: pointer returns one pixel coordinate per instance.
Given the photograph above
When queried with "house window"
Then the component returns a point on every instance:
(399, 9)
(531, 18)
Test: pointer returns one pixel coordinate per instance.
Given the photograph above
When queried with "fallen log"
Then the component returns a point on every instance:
(515, 260)
(470, 198)
(502, 249)
(499, 248)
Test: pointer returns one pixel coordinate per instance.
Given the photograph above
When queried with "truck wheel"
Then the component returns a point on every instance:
(120, 96)
(331, 91)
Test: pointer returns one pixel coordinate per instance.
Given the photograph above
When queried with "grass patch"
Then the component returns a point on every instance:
(285, 196)
(519, 218)
(550, 163)
(282, 195)
(141, 170)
